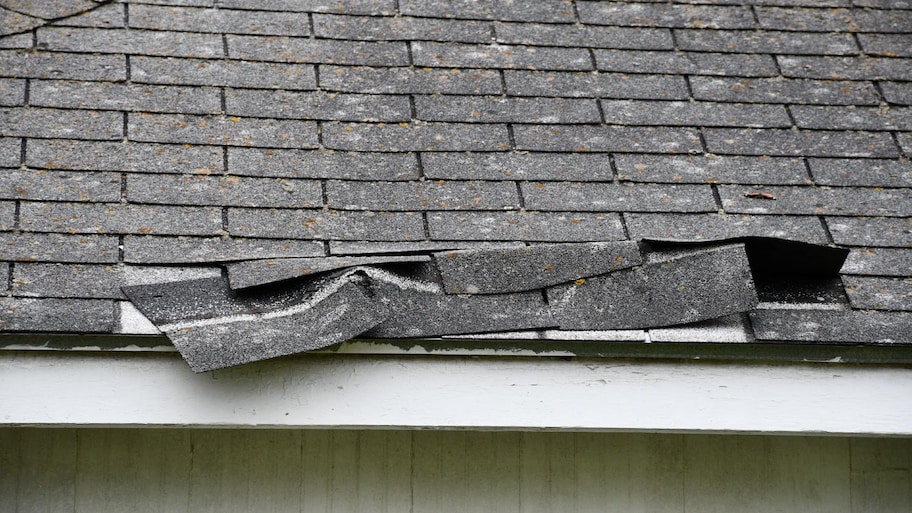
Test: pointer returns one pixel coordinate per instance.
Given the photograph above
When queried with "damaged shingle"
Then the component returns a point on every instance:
(258, 272)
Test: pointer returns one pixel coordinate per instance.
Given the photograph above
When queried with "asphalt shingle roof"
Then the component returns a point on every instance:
(155, 140)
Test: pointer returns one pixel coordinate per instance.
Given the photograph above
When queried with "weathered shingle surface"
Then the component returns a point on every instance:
(139, 137)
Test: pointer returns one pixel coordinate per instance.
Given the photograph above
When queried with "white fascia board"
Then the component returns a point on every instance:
(401, 391)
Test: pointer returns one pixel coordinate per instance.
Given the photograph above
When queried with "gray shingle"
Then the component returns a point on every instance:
(694, 286)
(905, 142)
(887, 45)
(7, 215)
(610, 197)
(145, 42)
(858, 118)
(252, 273)
(415, 137)
(897, 92)
(57, 247)
(124, 97)
(118, 156)
(525, 226)
(322, 164)
(584, 36)
(227, 21)
(686, 63)
(14, 22)
(51, 123)
(778, 90)
(879, 262)
(108, 15)
(518, 10)
(606, 138)
(373, 247)
(516, 269)
(871, 231)
(4, 276)
(678, 113)
(855, 172)
(10, 151)
(799, 143)
(710, 169)
(373, 28)
(454, 55)
(12, 92)
(18, 41)
(845, 68)
(492, 109)
(418, 196)
(61, 315)
(188, 250)
(50, 9)
(578, 167)
(211, 72)
(223, 190)
(833, 20)
(595, 85)
(667, 15)
(59, 185)
(317, 105)
(359, 79)
(120, 218)
(222, 130)
(320, 224)
(303, 50)
(877, 293)
(787, 43)
(387, 7)
(63, 280)
(709, 227)
(839, 326)
(817, 201)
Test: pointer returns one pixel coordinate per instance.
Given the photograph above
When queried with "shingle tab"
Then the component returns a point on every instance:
(897, 92)
(677, 113)
(120, 218)
(606, 138)
(845, 68)
(123, 97)
(858, 118)
(148, 249)
(817, 201)
(222, 130)
(12, 92)
(4, 276)
(10, 151)
(313, 106)
(577, 167)
(833, 20)
(778, 90)
(323, 164)
(786, 43)
(686, 63)
(63, 281)
(7, 215)
(610, 197)
(223, 190)
(799, 143)
(517, 10)
(710, 169)
(60, 315)
(525, 226)
(211, 72)
(490, 109)
(710, 227)
(373, 28)
(415, 137)
(454, 55)
(864, 173)
(877, 293)
(119, 156)
(584, 36)
(595, 85)
(666, 15)
(252, 273)
(53, 123)
(383, 7)
(57, 247)
(224, 21)
(359, 79)
(145, 42)
(303, 50)
(321, 225)
(879, 262)
(840, 326)
(871, 231)
(418, 196)
(59, 185)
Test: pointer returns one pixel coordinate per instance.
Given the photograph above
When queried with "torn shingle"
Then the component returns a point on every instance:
(495, 271)
(259, 272)
(697, 285)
